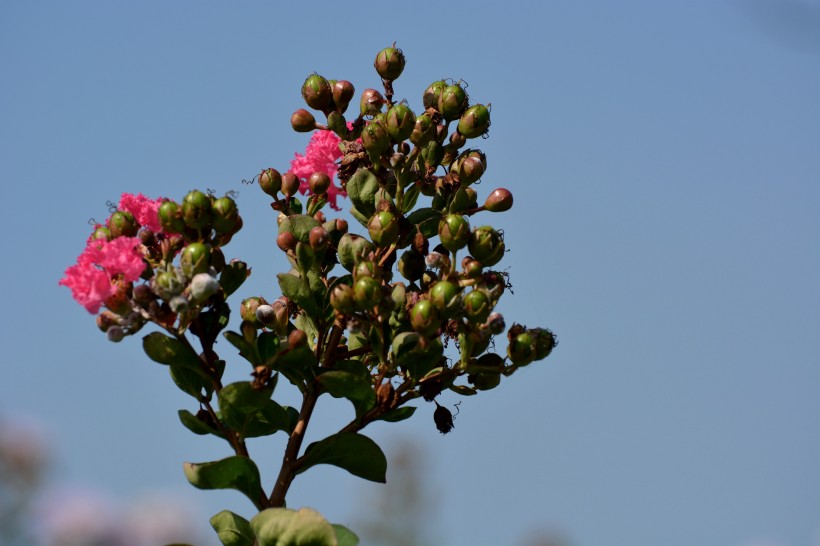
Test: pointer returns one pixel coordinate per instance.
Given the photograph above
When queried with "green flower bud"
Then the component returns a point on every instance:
(225, 215)
(342, 299)
(411, 265)
(389, 63)
(475, 121)
(270, 181)
(290, 184)
(371, 102)
(383, 228)
(302, 121)
(500, 200)
(452, 102)
(195, 258)
(424, 318)
(424, 130)
(319, 183)
(367, 292)
(375, 138)
(470, 166)
(317, 92)
(486, 246)
(433, 93)
(343, 92)
(248, 307)
(400, 122)
(444, 295)
(545, 342)
(366, 268)
(196, 210)
(454, 232)
(471, 267)
(477, 306)
(485, 381)
(101, 233)
(123, 224)
(167, 284)
(521, 349)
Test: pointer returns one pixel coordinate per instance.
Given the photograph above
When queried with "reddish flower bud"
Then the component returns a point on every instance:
(342, 299)
(296, 339)
(499, 201)
(286, 241)
(424, 130)
(290, 184)
(302, 121)
(470, 166)
(319, 238)
(270, 181)
(371, 102)
(317, 92)
(389, 63)
(343, 92)
(319, 183)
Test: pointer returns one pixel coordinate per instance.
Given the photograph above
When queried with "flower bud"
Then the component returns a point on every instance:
(486, 246)
(452, 102)
(352, 248)
(411, 265)
(302, 121)
(297, 338)
(477, 307)
(123, 224)
(225, 215)
(203, 286)
(290, 184)
(343, 92)
(444, 295)
(101, 233)
(475, 121)
(115, 334)
(545, 342)
(367, 292)
(383, 228)
(454, 232)
(270, 181)
(167, 284)
(499, 200)
(248, 307)
(389, 63)
(400, 122)
(371, 102)
(471, 267)
(196, 210)
(319, 238)
(425, 318)
(366, 268)
(470, 166)
(521, 349)
(286, 241)
(319, 183)
(317, 92)
(195, 258)
(337, 123)
(495, 322)
(375, 139)
(342, 299)
(281, 316)
(433, 93)
(424, 130)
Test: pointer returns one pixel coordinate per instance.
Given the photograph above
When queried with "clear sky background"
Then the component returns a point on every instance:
(665, 161)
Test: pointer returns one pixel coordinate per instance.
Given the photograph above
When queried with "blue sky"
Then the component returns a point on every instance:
(664, 160)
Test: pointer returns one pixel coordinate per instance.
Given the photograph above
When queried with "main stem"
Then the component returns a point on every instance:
(289, 467)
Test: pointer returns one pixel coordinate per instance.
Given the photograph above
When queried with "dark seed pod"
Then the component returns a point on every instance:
(411, 265)
(443, 418)
(297, 338)
(386, 395)
(544, 340)
(521, 349)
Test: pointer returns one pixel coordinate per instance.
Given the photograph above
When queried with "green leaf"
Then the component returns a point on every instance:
(356, 367)
(191, 382)
(343, 384)
(232, 530)
(299, 225)
(286, 527)
(239, 403)
(234, 472)
(192, 423)
(344, 536)
(398, 414)
(463, 390)
(233, 275)
(426, 220)
(247, 350)
(267, 345)
(167, 350)
(362, 188)
(411, 195)
(270, 419)
(298, 290)
(295, 205)
(351, 451)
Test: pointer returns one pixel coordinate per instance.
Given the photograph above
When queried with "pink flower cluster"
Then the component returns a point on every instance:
(320, 156)
(94, 278)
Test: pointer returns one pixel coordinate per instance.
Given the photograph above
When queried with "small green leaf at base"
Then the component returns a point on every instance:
(351, 451)
(234, 472)
(285, 527)
(232, 530)
(344, 536)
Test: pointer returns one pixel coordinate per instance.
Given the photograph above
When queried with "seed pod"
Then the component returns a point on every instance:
(290, 184)
(367, 292)
(521, 349)
(371, 102)
(343, 92)
(317, 92)
(425, 318)
(454, 232)
(400, 122)
(225, 215)
(386, 395)
(411, 265)
(545, 342)
(337, 123)
(443, 419)
(195, 258)
(486, 246)
(433, 93)
(475, 121)
(196, 210)
(302, 121)
(485, 381)
(389, 63)
(477, 307)
(319, 183)
(383, 228)
(444, 295)
(270, 181)
(452, 102)
(500, 200)
(342, 299)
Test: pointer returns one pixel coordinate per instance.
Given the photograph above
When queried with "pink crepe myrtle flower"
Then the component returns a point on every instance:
(145, 210)
(92, 278)
(321, 155)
